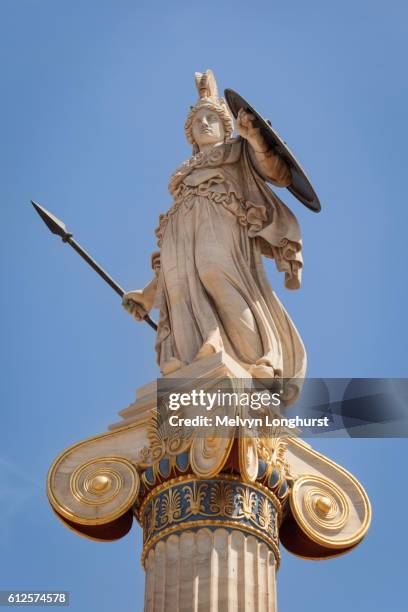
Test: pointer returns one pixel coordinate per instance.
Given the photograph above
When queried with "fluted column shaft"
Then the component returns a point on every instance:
(210, 571)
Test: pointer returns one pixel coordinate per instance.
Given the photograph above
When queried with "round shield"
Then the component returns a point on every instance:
(300, 186)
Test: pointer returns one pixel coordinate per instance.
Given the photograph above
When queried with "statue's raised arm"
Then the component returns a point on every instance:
(269, 164)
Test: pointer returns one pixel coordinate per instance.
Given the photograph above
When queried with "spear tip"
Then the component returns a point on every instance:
(55, 225)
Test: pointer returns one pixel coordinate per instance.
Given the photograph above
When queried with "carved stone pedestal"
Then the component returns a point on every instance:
(212, 509)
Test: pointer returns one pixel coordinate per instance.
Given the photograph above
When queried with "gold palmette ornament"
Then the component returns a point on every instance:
(208, 98)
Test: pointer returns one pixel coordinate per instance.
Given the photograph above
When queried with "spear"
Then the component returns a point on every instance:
(56, 226)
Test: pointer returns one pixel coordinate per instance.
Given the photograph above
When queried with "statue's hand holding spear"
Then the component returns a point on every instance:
(140, 302)
(133, 303)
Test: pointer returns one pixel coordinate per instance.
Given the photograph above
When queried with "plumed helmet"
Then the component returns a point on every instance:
(208, 98)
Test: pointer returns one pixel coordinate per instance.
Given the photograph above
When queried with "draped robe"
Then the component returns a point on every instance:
(212, 289)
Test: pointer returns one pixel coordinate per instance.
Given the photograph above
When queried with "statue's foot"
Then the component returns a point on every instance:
(262, 371)
(172, 365)
(266, 372)
(205, 351)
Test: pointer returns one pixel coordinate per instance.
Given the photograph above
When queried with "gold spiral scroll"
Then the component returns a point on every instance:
(97, 492)
(325, 513)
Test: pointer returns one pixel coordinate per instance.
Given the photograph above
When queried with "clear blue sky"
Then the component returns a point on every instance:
(93, 99)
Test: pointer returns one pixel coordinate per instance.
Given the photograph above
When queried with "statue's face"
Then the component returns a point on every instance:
(207, 128)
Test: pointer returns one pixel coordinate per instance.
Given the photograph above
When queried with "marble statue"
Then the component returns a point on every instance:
(214, 507)
(210, 284)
